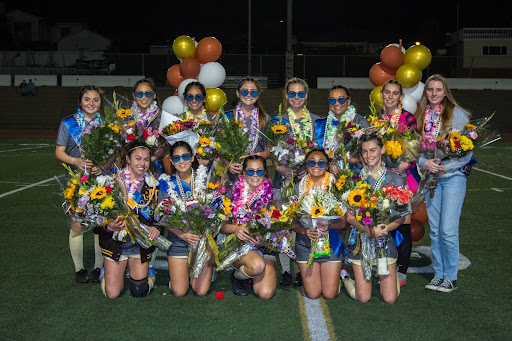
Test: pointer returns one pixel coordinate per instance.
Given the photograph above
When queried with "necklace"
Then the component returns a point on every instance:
(329, 129)
(180, 187)
(242, 198)
(145, 117)
(395, 116)
(432, 125)
(133, 185)
(349, 114)
(80, 118)
(307, 184)
(307, 132)
(203, 116)
(381, 178)
(252, 130)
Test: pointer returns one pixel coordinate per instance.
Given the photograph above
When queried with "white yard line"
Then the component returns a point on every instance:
(498, 175)
(27, 187)
(316, 320)
(14, 150)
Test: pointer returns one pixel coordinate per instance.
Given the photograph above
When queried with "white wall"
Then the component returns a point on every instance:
(5, 80)
(38, 80)
(105, 81)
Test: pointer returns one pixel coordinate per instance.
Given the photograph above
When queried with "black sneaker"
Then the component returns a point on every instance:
(95, 275)
(286, 279)
(447, 286)
(434, 283)
(81, 276)
(298, 280)
(238, 286)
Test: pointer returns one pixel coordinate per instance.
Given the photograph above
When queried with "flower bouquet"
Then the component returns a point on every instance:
(232, 140)
(136, 131)
(345, 143)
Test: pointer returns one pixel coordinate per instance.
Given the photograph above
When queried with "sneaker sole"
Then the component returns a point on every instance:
(431, 287)
(440, 289)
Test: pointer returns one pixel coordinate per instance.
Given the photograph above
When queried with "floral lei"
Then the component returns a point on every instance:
(381, 178)
(147, 116)
(329, 130)
(203, 116)
(395, 116)
(255, 201)
(431, 133)
(307, 184)
(349, 114)
(253, 136)
(132, 184)
(80, 118)
(307, 132)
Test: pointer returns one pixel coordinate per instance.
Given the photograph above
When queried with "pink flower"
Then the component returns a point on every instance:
(223, 189)
(358, 133)
(473, 135)
(84, 178)
(367, 221)
(310, 144)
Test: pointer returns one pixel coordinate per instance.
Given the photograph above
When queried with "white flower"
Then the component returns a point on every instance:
(349, 114)
(151, 140)
(385, 204)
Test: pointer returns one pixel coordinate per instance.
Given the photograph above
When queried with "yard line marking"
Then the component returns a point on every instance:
(328, 320)
(489, 147)
(34, 144)
(316, 323)
(27, 187)
(499, 175)
(497, 189)
(14, 150)
(303, 317)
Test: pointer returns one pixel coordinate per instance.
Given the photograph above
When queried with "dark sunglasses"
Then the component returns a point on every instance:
(176, 158)
(292, 94)
(321, 163)
(253, 93)
(140, 94)
(259, 172)
(190, 98)
(332, 100)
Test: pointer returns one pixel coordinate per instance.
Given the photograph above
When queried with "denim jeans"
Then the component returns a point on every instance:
(443, 216)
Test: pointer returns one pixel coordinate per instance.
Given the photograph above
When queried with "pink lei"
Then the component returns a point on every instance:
(241, 198)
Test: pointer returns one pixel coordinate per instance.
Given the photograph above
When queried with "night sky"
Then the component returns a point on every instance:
(134, 25)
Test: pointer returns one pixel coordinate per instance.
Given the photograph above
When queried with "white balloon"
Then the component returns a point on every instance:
(416, 91)
(166, 119)
(183, 85)
(172, 106)
(212, 75)
(409, 104)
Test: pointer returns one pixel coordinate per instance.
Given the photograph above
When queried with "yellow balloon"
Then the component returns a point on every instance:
(408, 75)
(376, 98)
(184, 47)
(215, 98)
(419, 56)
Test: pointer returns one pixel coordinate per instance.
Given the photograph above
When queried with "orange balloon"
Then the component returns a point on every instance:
(421, 213)
(190, 68)
(391, 57)
(208, 50)
(417, 230)
(379, 76)
(174, 76)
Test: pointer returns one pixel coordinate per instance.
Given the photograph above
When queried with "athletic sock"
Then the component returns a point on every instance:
(285, 262)
(76, 246)
(240, 274)
(102, 281)
(350, 286)
(98, 257)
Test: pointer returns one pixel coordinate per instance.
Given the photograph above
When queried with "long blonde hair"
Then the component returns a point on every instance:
(448, 104)
(295, 80)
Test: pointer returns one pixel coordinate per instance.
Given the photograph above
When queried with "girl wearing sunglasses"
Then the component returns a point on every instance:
(376, 175)
(323, 278)
(194, 97)
(183, 179)
(249, 111)
(253, 191)
(116, 244)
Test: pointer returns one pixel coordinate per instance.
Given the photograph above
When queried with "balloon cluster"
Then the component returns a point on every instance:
(198, 62)
(405, 67)
(419, 218)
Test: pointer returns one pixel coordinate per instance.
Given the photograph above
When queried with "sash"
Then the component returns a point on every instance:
(230, 115)
(320, 132)
(397, 236)
(336, 242)
(74, 129)
(159, 166)
(144, 210)
(186, 189)
(466, 170)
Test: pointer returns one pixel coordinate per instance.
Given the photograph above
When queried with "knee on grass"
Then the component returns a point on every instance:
(265, 293)
(139, 287)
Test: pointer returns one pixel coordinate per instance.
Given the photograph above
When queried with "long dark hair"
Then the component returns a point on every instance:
(86, 88)
(262, 117)
(149, 82)
(185, 145)
(198, 85)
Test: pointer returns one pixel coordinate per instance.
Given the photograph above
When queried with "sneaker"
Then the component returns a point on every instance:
(102, 273)
(402, 279)
(298, 280)
(344, 274)
(238, 286)
(286, 279)
(95, 275)
(434, 283)
(447, 286)
(151, 272)
(214, 275)
(403, 282)
(81, 276)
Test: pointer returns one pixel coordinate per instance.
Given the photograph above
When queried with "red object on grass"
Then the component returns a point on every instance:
(219, 295)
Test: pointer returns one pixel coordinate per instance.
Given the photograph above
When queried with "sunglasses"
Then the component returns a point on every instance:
(259, 172)
(140, 94)
(332, 100)
(246, 92)
(176, 158)
(320, 163)
(190, 98)
(292, 94)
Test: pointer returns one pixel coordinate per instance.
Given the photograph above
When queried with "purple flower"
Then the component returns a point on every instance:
(82, 202)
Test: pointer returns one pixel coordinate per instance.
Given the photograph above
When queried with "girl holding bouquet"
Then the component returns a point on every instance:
(376, 175)
(251, 192)
(116, 243)
(392, 95)
(323, 278)
(183, 178)
(250, 113)
(438, 113)
(68, 151)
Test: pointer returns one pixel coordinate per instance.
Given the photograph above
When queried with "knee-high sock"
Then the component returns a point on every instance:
(76, 246)
(240, 274)
(102, 281)
(350, 286)
(397, 285)
(285, 262)
(151, 282)
(98, 257)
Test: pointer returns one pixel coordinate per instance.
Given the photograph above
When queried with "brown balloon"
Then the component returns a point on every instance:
(174, 76)
(379, 76)
(391, 58)
(208, 50)
(190, 68)
(421, 213)
(417, 230)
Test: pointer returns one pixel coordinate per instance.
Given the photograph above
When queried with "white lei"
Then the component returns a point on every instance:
(150, 113)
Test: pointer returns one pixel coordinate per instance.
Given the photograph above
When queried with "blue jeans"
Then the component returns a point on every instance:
(443, 216)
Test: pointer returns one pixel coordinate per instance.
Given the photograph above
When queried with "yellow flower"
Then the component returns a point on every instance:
(455, 136)
(393, 148)
(359, 217)
(108, 202)
(200, 151)
(356, 197)
(82, 191)
(469, 126)
(75, 181)
(341, 182)
(317, 211)
(227, 206)
(114, 128)
(239, 124)
(79, 210)
(204, 141)
(466, 143)
(69, 192)
(124, 113)
(211, 185)
(279, 129)
(339, 211)
(98, 193)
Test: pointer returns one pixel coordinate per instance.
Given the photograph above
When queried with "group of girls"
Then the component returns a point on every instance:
(252, 189)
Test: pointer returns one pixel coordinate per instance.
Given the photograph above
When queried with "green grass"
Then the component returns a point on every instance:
(41, 301)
